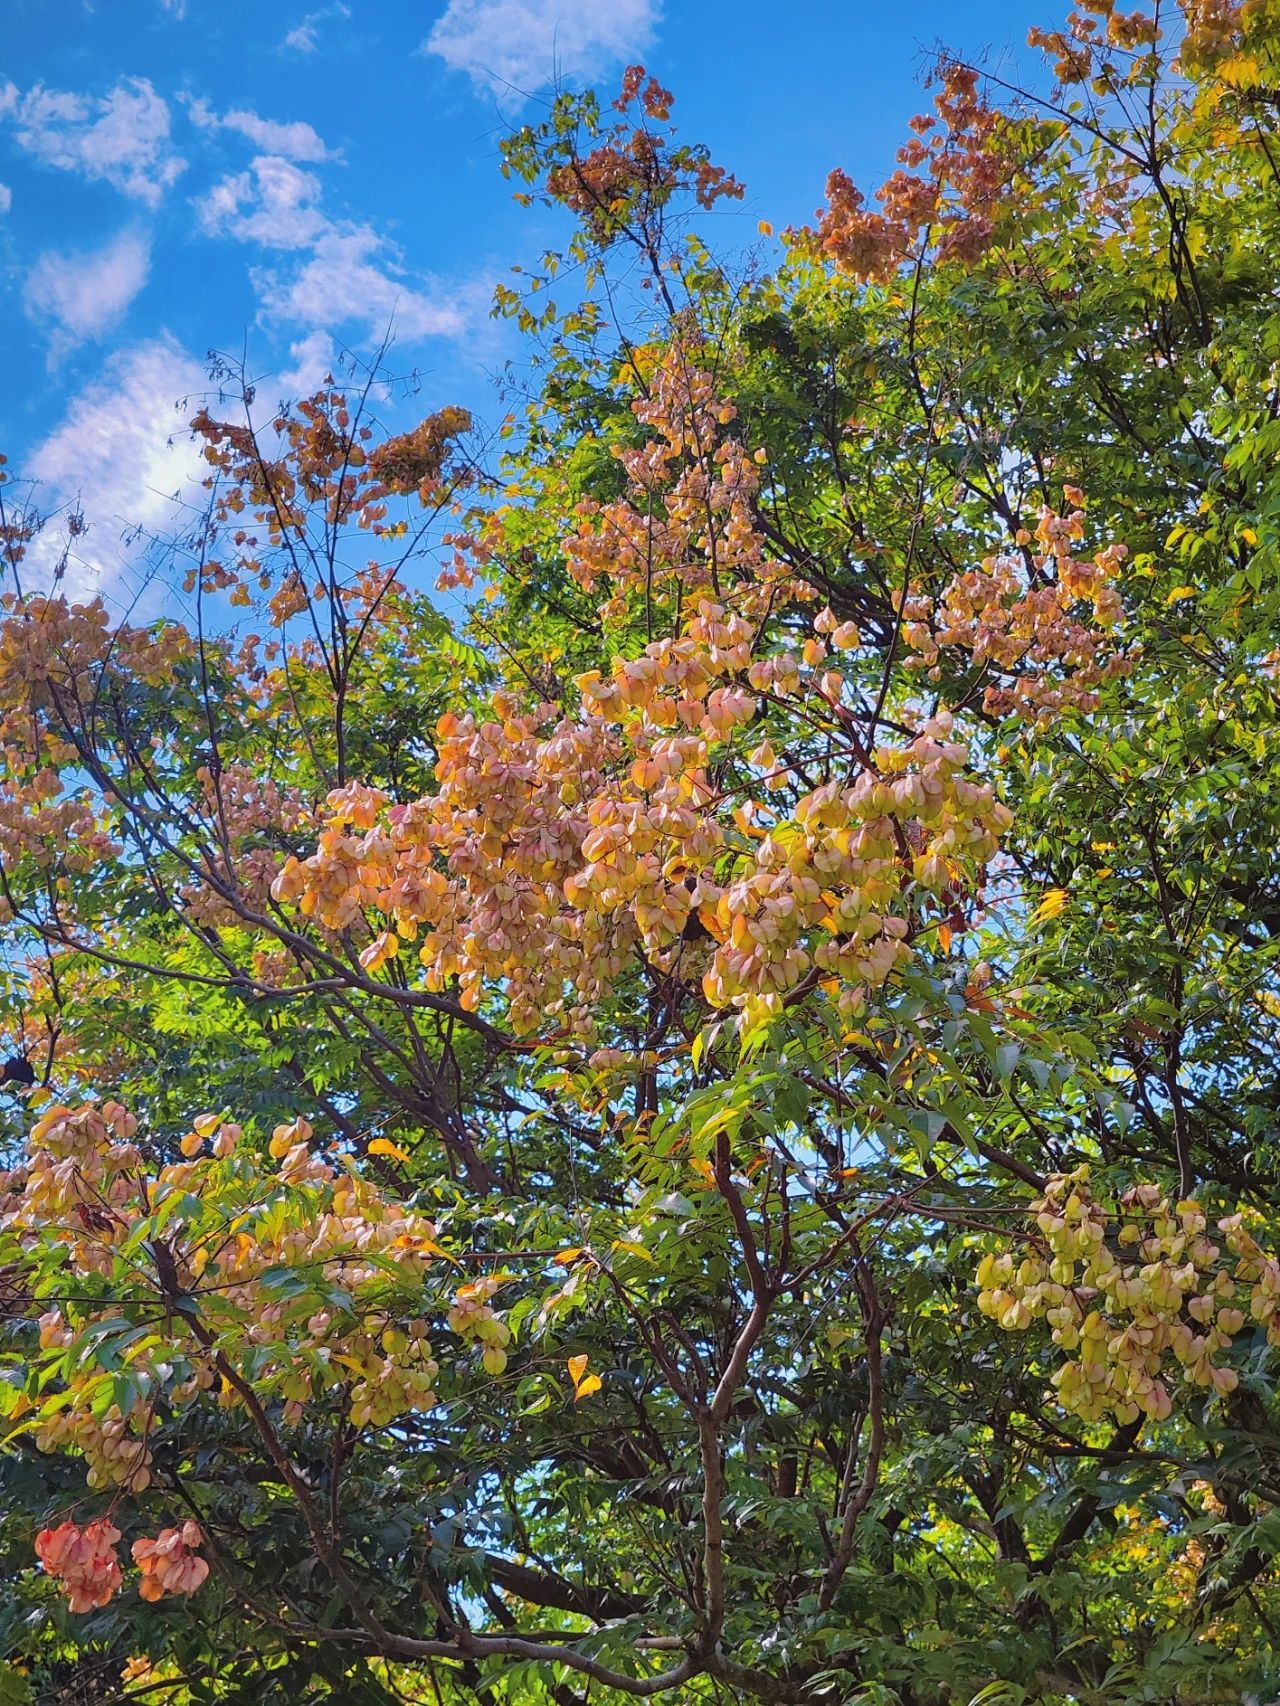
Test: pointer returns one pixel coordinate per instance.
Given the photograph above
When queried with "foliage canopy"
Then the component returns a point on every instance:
(654, 1040)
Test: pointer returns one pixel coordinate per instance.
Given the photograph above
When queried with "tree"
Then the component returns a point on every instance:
(694, 1118)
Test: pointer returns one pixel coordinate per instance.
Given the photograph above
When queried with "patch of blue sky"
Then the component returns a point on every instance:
(284, 181)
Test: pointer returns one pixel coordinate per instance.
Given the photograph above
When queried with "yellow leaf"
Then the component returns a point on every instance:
(567, 1256)
(1054, 902)
(1249, 536)
(433, 1249)
(703, 1168)
(584, 1384)
(383, 1146)
(632, 1249)
(1179, 593)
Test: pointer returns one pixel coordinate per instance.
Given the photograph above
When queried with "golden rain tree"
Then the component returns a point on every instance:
(652, 1039)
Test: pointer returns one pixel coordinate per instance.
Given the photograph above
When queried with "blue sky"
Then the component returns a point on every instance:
(286, 177)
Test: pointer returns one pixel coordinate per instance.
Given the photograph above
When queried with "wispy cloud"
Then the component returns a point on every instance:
(351, 279)
(123, 453)
(347, 274)
(294, 139)
(6, 198)
(303, 38)
(312, 358)
(273, 203)
(526, 44)
(84, 294)
(122, 137)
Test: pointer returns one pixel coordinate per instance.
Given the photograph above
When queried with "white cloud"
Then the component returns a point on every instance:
(177, 7)
(347, 274)
(122, 450)
(349, 281)
(312, 360)
(121, 137)
(526, 44)
(295, 140)
(84, 294)
(273, 204)
(302, 38)
(6, 198)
